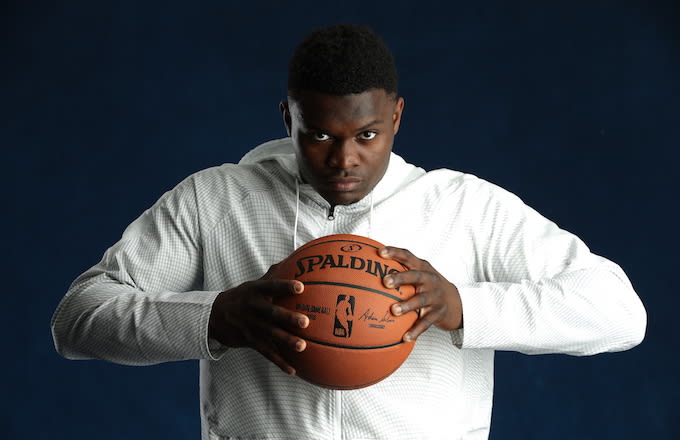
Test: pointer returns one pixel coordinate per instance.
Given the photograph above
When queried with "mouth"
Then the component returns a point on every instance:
(344, 184)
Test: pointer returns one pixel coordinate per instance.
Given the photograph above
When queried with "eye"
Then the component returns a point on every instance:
(320, 136)
(368, 135)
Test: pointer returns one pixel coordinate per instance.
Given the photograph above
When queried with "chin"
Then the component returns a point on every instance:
(348, 200)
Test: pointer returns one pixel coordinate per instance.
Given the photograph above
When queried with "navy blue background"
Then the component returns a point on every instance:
(106, 105)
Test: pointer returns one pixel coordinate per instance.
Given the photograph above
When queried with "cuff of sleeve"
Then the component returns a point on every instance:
(478, 307)
(211, 348)
(215, 349)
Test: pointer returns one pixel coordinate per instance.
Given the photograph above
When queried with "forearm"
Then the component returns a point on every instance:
(579, 312)
(103, 319)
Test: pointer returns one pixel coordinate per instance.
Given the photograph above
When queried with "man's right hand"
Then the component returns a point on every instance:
(246, 316)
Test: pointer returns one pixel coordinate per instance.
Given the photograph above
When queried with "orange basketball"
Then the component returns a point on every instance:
(353, 340)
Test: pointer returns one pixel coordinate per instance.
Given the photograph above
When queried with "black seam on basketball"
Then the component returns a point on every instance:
(351, 347)
(352, 286)
(305, 247)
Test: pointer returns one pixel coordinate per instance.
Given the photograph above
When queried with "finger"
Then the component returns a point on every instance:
(287, 318)
(419, 327)
(289, 341)
(403, 256)
(409, 278)
(280, 315)
(272, 341)
(275, 357)
(265, 333)
(416, 303)
(278, 287)
(271, 320)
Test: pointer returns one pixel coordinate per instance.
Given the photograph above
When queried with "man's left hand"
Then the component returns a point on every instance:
(436, 299)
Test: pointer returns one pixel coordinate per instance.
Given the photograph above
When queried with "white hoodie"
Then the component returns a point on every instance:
(525, 284)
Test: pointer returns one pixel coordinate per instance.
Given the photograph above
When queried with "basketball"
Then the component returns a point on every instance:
(353, 340)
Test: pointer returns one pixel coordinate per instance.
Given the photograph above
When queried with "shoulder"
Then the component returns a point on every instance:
(441, 186)
(210, 191)
(230, 178)
(463, 187)
(267, 166)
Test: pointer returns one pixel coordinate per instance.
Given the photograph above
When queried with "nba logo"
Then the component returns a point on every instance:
(344, 315)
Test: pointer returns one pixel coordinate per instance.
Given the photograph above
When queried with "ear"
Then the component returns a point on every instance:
(285, 112)
(396, 116)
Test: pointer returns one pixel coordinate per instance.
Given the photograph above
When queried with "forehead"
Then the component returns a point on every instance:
(317, 109)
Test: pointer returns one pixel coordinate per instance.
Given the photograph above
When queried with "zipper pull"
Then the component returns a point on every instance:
(331, 213)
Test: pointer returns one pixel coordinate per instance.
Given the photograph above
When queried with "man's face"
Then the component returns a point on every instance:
(343, 143)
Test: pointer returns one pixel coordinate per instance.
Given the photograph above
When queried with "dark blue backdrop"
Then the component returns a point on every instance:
(106, 105)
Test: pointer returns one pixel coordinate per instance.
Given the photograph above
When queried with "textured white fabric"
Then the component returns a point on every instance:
(526, 285)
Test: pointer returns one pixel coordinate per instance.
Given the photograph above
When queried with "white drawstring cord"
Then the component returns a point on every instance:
(370, 218)
(297, 211)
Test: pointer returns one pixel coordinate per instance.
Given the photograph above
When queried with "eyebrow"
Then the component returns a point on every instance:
(370, 124)
(360, 129)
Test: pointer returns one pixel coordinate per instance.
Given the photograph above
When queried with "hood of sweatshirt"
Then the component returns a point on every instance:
(398, 175)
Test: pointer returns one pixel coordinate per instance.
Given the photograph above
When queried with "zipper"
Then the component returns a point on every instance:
(331, 213)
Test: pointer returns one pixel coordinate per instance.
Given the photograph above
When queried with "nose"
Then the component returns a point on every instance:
(343, 154)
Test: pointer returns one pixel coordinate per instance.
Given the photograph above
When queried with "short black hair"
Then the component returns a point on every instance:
(342, 59)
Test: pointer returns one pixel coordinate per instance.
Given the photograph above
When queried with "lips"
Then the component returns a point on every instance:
(344, 183)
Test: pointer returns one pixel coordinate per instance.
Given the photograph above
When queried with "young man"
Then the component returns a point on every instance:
(189, 279)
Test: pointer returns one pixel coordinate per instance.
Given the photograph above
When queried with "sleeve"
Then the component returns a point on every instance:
(542, 290)
(142, 304)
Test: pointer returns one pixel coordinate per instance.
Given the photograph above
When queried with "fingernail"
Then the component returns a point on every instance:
(407, 337)
(389, 281)
(396, 310)
(290, 371)
(299, 346)
(303, 322)
(298, 287)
